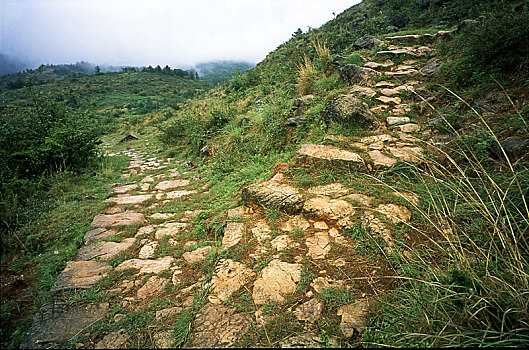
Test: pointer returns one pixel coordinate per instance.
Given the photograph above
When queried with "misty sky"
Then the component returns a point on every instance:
(151, 32)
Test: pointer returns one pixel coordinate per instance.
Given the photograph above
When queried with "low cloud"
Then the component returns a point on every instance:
(151, 32)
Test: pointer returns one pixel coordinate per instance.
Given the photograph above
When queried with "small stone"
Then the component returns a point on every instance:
(395, 212)
(319, 245)
(196, 255)
(168, 312)
(387, 100)
(389, 92)
(309, 311)
(169, 185)
(261, 231)
(353, 317)
(295, 222)
(114, 340)
(408, 128)
(228, 278)
(153, 286)
(233, 233)
(171, 229)
(320, 225)
(281, 242)
(397, 120)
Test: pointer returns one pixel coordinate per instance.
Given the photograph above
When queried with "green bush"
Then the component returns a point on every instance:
(497, 45)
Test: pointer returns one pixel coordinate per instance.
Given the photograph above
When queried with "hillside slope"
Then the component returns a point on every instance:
(343, 192)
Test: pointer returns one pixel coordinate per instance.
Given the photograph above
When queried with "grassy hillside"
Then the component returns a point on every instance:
(458, 276)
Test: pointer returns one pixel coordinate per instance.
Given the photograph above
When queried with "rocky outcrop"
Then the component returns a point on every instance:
(274, 195)
(353, 74)
(347, 109)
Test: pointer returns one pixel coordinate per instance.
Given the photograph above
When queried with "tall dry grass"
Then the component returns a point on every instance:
(469, 284)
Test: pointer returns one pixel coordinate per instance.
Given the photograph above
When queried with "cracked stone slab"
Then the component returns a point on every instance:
(104, 251)
(154, 285)
(228, 278)
(319, 245)
(233, 234)
(125, 188)
(309, 311)
(326, 208)
(218, 326)
(274, 194)
(120, 219)
(80, 275)
(197, 254)
(171, 184)
(276, 280)
(354, 317)
(129, 200)
(57, 322)
(97, 234)
(331, 153)
(295, 222)
(147, 266)
(170, 229)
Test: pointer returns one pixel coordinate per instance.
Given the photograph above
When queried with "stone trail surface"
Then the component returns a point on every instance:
(312, 247)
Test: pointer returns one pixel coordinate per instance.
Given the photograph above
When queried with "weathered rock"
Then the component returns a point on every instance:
(125, 188)
(154, 285)
(367, 42)
(362, 91)
(129, 200)
(408, 128)
(239, 211)
(218, 326)
(407, 154)
(274, 195)
(80, 275)
(373, 225)
(296, 121)
(399, 20)
(396, 213)
(326, 208)
(309, 311)
(147, 266)
(397, 120)
(326, 154)
(163, 340)
(121, 219)
(171, 229)
(168, 312)
(233, 234)
(354, 317)
(162, 216)
(178, 194)
(381, 160)
(172, 184)
(57, 322)
(348, 109)
(196, 255)
(333, 189)
(375, 65)
(295, 222)
(114, 340)
(514, 147)
(319, 245)
(97, 234)
(362, 199)
(387, 100)
(276, 280)
(228, 278)
(320, 225)
(261, 231)
(389, 92)
(281, 242)
(430, 67)
(353, 74)
(148, 250)
(104, 251)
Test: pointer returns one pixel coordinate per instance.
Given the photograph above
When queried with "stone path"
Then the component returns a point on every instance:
(315, 245)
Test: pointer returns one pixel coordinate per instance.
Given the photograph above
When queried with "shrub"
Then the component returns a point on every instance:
(497, 45)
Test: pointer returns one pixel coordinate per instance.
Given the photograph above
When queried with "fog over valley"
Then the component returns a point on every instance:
(178, 33)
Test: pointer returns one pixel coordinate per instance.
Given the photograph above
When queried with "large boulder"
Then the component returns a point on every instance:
(353, 74)
(400, 20)
(347, 109)
(367, 42)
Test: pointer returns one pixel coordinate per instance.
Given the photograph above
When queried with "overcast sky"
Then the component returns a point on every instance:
(151, 32)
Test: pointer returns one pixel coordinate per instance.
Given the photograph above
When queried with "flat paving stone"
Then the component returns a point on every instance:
(57, 322)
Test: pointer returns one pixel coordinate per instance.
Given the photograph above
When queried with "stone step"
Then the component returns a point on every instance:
(273, 194)
(418, 39)
(331, 155)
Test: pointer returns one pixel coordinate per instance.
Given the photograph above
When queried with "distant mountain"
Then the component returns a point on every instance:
(218, 72)
(10, 65)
